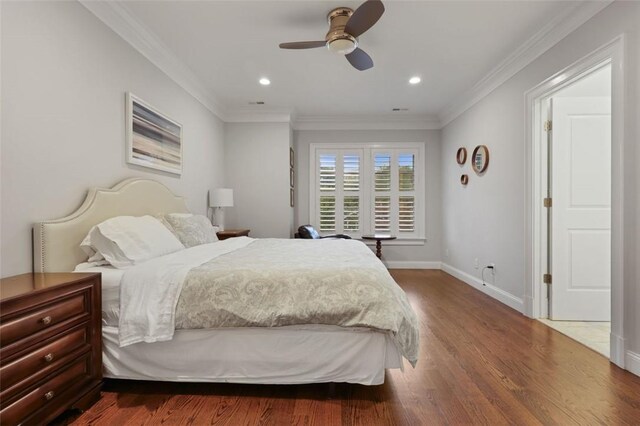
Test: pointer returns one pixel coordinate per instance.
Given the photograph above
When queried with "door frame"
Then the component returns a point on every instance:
(536, 302)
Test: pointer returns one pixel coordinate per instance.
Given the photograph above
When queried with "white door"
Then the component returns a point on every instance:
(581, 209)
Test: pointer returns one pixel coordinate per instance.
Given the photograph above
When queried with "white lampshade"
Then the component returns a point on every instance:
(221, 197)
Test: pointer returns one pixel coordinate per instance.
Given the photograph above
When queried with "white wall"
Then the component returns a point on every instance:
(64, 78)
(487, 219)
(394, 255)
(257, 158)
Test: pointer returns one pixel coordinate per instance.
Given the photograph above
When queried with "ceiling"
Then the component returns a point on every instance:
(451, 45)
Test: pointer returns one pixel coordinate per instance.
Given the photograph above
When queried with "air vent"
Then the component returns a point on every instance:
(399, 109)
(256, 103)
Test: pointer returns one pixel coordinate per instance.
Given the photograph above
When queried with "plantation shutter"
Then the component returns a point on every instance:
(394, 184)
(406, 196)
(328, 175)
(364, 189)
(340, 191)
(382, 198)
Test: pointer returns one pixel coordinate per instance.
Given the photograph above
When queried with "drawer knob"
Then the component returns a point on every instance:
(48, 357)
(49, 395)
(46, 320)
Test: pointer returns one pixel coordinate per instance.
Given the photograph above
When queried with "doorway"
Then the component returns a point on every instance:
(581, 264)
(578, 209)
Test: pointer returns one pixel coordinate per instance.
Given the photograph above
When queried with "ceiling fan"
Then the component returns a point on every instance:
(345, 26)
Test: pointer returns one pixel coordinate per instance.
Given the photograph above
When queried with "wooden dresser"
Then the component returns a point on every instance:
(50, 345)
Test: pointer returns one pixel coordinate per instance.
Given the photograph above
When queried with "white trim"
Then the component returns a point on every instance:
(617, 349)
(632, 362)
(489, 289)
(407, 264)
(398, 242)
(116, 16)
(556, 29)
(252, 116)
(397, 121)
(612, 52)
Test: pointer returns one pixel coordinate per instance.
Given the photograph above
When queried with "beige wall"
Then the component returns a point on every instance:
(64, 78)
(487, 218)
(257, 169)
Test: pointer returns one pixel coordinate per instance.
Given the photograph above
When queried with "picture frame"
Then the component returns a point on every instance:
(291, 157)
(291, 197)
(153, 139)
(291, 178)
(464, 180)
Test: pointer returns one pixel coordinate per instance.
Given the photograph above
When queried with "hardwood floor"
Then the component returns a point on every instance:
(481, 363)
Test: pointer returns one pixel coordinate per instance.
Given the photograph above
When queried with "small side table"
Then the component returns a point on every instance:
(379, 238)
(231, 233)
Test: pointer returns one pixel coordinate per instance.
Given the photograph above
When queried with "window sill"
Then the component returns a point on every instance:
(396, 242)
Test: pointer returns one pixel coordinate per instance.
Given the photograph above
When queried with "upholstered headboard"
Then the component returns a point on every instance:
(57, 242)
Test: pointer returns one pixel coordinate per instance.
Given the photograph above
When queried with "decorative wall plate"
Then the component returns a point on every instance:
(461, 156)
(480, 159)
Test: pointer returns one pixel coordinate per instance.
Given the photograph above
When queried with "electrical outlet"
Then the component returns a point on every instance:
(492, 267)
(476, 263)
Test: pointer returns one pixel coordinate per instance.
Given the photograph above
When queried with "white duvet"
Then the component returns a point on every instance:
(149, 292)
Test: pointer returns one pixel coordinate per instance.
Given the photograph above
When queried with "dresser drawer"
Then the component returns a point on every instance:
(42, 358)
(48, 393)
(47, 316)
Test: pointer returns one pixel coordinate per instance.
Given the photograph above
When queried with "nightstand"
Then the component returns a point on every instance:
(231, 233)
(50, 345)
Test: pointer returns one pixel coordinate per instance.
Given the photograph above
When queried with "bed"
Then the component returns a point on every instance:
(273, 347)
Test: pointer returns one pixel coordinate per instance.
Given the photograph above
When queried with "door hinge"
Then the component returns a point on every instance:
(546, 278)
(547, 202)
(548, 126)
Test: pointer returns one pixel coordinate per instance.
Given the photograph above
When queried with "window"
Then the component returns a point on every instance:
(365, 189)
(339, 191)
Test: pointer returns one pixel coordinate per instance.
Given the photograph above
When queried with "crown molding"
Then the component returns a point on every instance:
(258, 116)
(368, 122)
(116, 16)
(552, 33)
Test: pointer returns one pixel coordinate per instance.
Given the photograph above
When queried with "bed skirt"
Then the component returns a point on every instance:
(282, 355)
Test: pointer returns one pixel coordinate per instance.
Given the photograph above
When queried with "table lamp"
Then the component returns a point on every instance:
(218, 199)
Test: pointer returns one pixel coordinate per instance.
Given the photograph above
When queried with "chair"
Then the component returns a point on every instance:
(308, 232)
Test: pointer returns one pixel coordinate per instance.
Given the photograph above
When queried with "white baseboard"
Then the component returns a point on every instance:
(400, 264)
(617, 351)
(632, 362)
(528, 307)
(493, 291)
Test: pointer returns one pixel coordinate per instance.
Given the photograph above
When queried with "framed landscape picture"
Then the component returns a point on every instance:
(153, 139)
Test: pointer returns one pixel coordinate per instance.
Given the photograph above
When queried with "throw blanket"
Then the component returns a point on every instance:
(242, 282)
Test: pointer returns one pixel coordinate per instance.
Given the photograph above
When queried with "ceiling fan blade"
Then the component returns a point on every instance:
(364, 17)
(303, 44)
(360, 60)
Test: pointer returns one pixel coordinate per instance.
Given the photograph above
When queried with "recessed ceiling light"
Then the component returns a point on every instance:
(265, 81)
(415, 80)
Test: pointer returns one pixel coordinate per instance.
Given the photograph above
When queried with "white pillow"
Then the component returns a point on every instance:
(128, 240)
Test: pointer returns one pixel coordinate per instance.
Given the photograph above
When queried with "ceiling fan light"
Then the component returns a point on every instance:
(342, 46)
